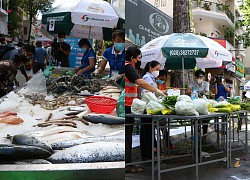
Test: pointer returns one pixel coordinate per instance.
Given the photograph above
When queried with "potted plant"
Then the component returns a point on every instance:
(207, 5)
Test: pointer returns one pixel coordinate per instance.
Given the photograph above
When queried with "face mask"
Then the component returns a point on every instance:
(119, 46)
(199, 81)
(155, 73)
(61, 40)
(83, 50)
(138, 64)
(160, 81)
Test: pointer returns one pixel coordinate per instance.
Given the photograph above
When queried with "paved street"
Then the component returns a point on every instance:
(215, 171)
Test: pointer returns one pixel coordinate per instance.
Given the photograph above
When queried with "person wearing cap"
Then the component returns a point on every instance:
(201, 86)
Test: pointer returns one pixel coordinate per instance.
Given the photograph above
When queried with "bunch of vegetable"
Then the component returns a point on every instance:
(169, 102)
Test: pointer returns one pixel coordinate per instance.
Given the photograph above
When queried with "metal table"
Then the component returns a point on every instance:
(243, 116)
(195, 122)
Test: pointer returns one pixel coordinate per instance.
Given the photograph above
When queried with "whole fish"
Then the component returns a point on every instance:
(53, 130)
(16, 152)
(67, 144)
(32, 161)
(21, 139)
(104, 118)
(91, 152)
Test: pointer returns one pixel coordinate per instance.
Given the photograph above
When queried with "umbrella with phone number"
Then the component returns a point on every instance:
(184, 51)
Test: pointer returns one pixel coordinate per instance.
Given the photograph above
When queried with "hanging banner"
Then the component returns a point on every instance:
(239, 68)
(145, 22)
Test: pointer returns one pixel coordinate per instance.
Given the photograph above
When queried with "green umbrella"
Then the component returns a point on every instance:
(62, 16)
(181, 50)
(75, 18)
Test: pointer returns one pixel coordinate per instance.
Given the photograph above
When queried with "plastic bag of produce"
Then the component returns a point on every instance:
(185, 108)
(138, 106)
(154, 105)
(201, 106)
(120, 108)
(149, 96)
(213, 102)
(184, 98)
(37, 84)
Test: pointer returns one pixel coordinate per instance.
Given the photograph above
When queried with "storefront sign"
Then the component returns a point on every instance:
(222, 42)
(145, 22)
(239, 68)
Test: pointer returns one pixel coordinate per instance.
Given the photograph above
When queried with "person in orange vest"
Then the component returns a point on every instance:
(132, 79)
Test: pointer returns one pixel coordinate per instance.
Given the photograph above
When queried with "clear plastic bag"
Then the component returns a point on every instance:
(138, 106)
(185, 108)
(37, 84)
(149, 96)
(201, 106)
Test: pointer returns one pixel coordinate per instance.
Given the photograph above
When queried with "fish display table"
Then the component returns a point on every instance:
(82, 148)
(100, 170)
(195, 122)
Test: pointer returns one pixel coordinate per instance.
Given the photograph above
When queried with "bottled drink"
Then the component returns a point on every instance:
(194, 95)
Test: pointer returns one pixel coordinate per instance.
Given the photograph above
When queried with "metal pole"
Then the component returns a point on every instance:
(153, 167)
(183, 76)
(89, 31)
(196, 148)
(158, 151)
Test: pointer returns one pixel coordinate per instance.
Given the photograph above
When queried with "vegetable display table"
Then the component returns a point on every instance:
(195, 121)
(241, 115)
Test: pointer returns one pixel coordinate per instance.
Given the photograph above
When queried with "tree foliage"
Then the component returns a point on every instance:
(32, 7)
(245, 8)
(14, 18)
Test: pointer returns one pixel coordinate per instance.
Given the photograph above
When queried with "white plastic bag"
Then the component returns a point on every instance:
(213, 102)
(201, 106)
(37, 84)
(185, 108)
(184, 98)
(149, 96)
(138, 106)
(154, 105)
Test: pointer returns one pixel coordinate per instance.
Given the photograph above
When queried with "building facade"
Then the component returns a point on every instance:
(3, 17)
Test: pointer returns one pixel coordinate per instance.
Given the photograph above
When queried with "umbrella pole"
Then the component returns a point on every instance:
(89, 32)
(183, 76)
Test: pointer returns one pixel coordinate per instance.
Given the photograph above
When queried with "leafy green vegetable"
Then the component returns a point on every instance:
(169, 102)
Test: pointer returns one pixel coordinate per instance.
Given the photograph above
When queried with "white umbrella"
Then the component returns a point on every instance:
(247, 86)
(84, 18)
(216, 55)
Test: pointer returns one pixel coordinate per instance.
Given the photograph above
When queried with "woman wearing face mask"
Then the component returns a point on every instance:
(115, 55)
(161, 80)
(151, 72)
(88, 60)
(132, 79)
(201, 86)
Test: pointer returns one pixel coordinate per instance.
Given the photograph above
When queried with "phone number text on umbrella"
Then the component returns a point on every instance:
(184, 52)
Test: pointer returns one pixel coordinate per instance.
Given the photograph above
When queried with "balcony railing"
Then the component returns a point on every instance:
(211, 6)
